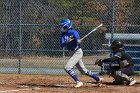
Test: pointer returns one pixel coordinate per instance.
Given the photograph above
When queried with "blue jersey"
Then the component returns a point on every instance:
(69, 39)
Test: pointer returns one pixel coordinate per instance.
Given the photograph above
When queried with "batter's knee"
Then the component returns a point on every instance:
(118, 73)
(67, 69)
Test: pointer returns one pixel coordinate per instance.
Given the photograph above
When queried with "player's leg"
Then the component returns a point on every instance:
(124, 74)
(70, 64)
(112, 69)
(116, 79)
(112, 72)
(83, 70)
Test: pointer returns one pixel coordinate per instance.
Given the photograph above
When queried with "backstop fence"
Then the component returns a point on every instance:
(30, 37)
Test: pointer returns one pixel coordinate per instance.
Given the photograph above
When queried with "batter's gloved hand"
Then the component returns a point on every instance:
(99, 62)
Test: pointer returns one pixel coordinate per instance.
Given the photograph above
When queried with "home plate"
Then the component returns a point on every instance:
(57, 85)
(93, 84)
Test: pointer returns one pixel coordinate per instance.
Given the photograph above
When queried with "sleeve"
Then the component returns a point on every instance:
(62, 41)
(119, 55)
(115, 57)
(112, 59)
(76, 35)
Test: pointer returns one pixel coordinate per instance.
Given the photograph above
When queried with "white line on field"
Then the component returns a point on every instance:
(27, 89)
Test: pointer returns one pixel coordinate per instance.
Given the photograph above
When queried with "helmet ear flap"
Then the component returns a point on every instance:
(65, 27)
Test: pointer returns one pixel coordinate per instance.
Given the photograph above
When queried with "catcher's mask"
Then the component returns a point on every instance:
(116, 46)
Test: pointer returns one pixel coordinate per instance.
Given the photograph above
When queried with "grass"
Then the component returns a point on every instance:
(43, 62)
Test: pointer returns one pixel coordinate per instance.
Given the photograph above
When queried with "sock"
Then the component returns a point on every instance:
(89, 73)
(75, 78)
(73, 75)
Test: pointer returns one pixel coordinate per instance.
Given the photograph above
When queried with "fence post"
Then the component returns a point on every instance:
(113, 20)
(20, 43)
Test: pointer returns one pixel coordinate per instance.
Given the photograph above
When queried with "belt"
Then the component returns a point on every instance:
(75, 49)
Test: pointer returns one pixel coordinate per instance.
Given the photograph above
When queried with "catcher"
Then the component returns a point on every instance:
(125, 68)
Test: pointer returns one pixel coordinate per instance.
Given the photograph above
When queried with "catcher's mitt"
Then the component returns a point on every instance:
(99, 62)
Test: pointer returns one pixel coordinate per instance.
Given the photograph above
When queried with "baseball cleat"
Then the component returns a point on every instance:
(79, 84)
(99, 82)
(132, 82)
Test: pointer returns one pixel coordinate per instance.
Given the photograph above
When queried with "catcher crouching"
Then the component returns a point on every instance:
(125, 68)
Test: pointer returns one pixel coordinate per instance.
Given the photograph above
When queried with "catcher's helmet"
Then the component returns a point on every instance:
(116, 46)
(65, 23)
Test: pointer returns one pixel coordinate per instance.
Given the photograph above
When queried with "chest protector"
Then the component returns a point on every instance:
(123, 63)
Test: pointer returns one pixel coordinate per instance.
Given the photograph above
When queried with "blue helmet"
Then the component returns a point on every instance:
(65, 23)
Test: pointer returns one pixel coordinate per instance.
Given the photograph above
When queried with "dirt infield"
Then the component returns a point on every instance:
(13, 83)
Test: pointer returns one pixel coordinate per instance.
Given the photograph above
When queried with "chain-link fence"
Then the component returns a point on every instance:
(30, 37)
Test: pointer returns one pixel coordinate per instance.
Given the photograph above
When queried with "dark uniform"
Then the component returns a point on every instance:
(125, 68)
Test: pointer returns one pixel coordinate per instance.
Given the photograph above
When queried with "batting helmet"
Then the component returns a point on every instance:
(65, 23)
(116, 46)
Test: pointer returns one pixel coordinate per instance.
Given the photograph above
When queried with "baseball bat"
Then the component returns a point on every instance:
(91, 32)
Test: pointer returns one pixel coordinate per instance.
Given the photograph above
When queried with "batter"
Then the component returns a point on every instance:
(70, 39)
